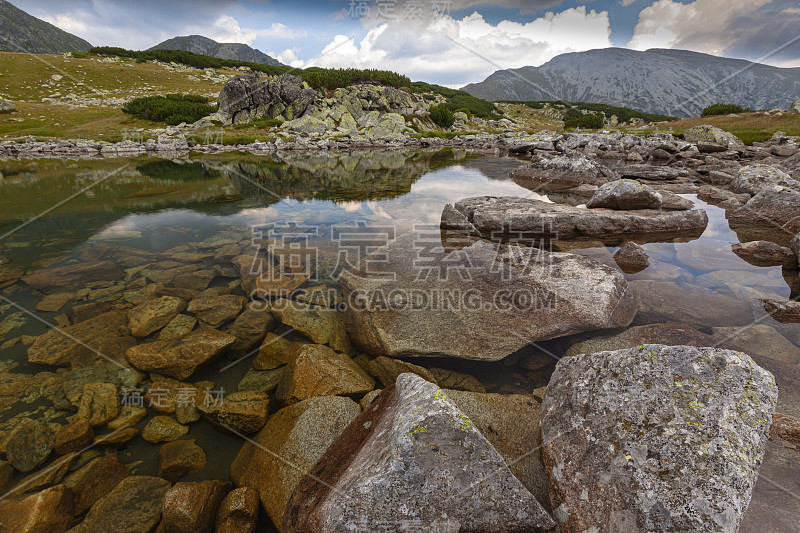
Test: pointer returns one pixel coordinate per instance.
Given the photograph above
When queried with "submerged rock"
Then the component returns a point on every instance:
(72, 277)
(180, 357)
(153, 315)
(625, 195)
(94, 480)
(299, 434)
(413, 460)
(765, 254)
(29, 444)
(656, 438)
(483, 301)
(494, 217)
(179, 459)
(133, 506)
(216, 310)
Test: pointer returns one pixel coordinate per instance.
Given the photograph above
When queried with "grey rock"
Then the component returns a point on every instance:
(453, 220)
(625, 194)
(637, 437)
(711, 135)
(556, 294)
(494, 217)
(561, 172)
(795, 245)
(247, 98)
(765, 254)
(651, 172)
(412, 459)
(783, 311)
(755, 178)
(7, 107)
(772, 207)
(631, 258)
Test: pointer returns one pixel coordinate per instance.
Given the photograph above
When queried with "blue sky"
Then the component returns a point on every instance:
(462, 42)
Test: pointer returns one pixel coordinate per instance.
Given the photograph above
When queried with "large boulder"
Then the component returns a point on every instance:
(481, 301)
(706, 135)
(286, 449)
(412, 459)
(179, 358)
(247, 98)
(766, 254)
(625, 195)
(534, 219)
(655, 438)
(47, 511)
(753, 179)
(773, 207)
(561, 172)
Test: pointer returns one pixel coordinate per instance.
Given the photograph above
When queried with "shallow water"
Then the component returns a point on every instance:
(54, 212)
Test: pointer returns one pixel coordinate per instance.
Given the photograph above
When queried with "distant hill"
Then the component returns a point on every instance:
(668, 82)
(21, 32)
(203, 45)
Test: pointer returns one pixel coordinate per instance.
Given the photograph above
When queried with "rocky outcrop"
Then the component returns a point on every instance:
(495, 217)
(561, 172)
(711, 137)
(478, 300)
(625, 195)
(608, 464)
(413, 458)
(248, 98)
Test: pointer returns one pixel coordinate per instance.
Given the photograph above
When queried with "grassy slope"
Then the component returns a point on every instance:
(26, 80)
(749, 127)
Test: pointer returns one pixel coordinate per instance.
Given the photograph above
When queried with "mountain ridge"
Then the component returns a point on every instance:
(203, 45)
(22, 32)
(665, 81)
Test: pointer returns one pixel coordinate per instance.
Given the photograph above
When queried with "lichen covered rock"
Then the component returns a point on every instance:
(655, 438)
(625, 194)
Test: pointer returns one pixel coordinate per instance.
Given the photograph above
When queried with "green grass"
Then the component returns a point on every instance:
(623, 114)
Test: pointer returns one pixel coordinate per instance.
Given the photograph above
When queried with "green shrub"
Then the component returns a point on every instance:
(623, 114)
(460, 100)
(442, 116)
(320, 78)
(723, 109)
(576, 119)
(80, 55)
(171, 109)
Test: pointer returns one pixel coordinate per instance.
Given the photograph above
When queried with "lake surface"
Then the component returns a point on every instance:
(56, 212)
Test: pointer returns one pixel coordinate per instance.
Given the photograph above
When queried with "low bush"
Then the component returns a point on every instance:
(171, 109)
(442, 116)
(460, 100)
(576, 119)
(723, 109)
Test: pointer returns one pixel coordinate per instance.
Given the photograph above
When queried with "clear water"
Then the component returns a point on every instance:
(51, 212)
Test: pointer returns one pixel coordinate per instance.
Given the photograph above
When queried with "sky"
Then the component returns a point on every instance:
(450, 42)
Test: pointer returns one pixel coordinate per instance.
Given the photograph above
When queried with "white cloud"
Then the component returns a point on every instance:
(226, 29)
(66, 23)
(456, 52)
(703, 25)
(289, 57)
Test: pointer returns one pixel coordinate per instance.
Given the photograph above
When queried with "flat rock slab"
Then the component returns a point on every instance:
(413, 461)
(72, 277)
(479, 300)
(496, 217)
(179, 358)
(655, 438)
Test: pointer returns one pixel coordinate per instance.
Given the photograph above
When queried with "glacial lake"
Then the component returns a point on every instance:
(55, 212)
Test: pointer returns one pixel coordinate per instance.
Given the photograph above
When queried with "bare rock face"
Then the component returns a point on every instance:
(72, 277)
(248, 98)
(494, 217)
(561, 172)
(625, 195)
(413, 460)
(711, 136)
(481, 300)
(655, 438)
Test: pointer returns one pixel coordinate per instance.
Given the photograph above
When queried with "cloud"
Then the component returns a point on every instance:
(289, 57)
(67, 23)
(764, 30)
(455, 52)
(227, 30)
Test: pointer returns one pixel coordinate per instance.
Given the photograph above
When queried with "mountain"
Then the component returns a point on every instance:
(21, 32)
(209, 47)
(668, 82)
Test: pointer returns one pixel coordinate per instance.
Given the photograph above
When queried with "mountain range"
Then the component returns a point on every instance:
(21, 32)
(209, 47)
(668, 82)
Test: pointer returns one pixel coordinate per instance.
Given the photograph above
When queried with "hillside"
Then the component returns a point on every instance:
(668, 82)
(21, 32)
(198, 44)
